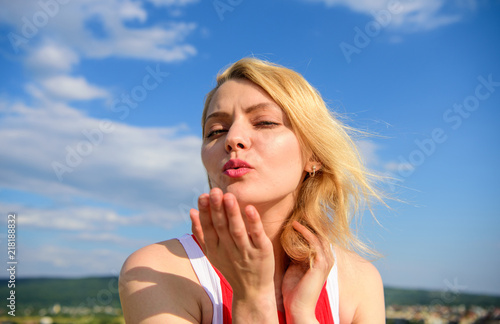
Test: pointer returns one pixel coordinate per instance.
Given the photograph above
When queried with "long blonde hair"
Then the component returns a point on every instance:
(327, 202)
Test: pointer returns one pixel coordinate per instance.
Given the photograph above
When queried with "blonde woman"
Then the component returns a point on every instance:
(271, 240)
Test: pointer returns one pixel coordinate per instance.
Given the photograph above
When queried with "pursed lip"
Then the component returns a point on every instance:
(236, 164)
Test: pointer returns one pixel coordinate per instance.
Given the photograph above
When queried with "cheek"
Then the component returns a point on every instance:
(211, 156)
(207, 157)
(284, 154)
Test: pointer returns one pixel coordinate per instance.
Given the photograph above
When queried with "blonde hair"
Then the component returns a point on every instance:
(327, 202)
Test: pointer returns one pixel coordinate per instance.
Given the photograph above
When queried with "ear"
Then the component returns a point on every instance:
(312, 165)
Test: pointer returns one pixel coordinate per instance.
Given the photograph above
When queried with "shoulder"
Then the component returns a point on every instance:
(152, 280)
(156, 256)
(360, 288)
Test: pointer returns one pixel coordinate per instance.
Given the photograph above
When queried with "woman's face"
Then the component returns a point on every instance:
(249, 148)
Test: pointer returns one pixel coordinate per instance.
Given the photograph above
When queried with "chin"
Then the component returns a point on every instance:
(244, 195)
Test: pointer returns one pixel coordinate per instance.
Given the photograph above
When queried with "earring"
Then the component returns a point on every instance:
(313, 173)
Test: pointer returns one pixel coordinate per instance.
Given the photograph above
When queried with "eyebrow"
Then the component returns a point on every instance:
(247, 110)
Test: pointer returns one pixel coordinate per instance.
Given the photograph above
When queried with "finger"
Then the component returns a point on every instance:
(255, 228)
(237, 227)
(196, 228)
(209, 234)
(308, 235)
(323, 257)
(219, 218)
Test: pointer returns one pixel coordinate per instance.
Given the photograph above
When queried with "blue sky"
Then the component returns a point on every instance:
(100, 106)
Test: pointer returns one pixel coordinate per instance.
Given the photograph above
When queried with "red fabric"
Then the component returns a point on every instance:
(323, 311)
(227, 298)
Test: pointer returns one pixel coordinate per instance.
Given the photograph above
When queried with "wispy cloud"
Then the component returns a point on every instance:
(70, 218)
(51, 58)
(408, 15)
(99, 29)
(368, 151)
(72, 88)
(53, 260)
(169, 3)
(105, 237)
(130, 167)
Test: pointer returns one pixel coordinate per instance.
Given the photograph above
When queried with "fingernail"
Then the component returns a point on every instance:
(203, 201)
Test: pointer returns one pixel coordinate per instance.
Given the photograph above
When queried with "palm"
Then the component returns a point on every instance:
(302, 282)
(300, 294)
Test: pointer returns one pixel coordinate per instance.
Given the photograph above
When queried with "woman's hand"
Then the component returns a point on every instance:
(240, 249)
(302, 284)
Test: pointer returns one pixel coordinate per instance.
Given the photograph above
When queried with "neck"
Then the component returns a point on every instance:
(274, 215)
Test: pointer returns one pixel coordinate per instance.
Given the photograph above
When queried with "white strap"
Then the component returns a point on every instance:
(206, 274)
(332, 288)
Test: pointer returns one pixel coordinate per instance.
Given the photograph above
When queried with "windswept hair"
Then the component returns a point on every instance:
(328, 202)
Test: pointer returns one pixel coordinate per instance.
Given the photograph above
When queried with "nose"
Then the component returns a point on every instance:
(236, 139)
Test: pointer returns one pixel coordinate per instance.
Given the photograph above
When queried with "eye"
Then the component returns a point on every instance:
(266, 124)
(215, 132)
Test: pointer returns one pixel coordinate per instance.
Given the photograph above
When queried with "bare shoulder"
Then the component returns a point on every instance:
(158, 285)
(361, 289)
(151, 262)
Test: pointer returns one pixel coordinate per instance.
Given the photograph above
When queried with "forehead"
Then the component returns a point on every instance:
(238, 93)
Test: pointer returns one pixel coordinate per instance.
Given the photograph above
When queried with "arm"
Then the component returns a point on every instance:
(156, 286)
(360, 290)
(371, 306)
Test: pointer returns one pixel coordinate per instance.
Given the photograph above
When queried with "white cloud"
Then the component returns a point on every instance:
(152, 171)
(107, 238)
(391, 170)
(72, 88)
(368, 151)
(71, 218)
(50, 58)
(54, 260)
(169, 3)
(132, 10)
(359, 5)
(68, 25)
(399, 166)
(155, 43)
(408, 15)
(423, 15)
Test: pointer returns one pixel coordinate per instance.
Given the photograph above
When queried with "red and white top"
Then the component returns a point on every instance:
(221, 293)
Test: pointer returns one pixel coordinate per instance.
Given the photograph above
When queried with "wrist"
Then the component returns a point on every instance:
(300, 316)
(253, 307)
(301, 319)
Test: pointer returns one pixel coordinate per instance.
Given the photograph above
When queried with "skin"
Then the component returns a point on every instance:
(238, 225)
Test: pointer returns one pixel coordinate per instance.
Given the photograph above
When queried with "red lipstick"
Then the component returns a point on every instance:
(236, 168)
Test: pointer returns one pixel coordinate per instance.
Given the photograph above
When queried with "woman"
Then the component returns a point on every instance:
(286, 180)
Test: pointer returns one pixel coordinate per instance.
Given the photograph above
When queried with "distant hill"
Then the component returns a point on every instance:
(45, 292)
(103, 291)
(397, 296)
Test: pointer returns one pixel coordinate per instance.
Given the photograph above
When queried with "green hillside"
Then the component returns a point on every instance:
(397, 296)
(90, 292)
(45, 292)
